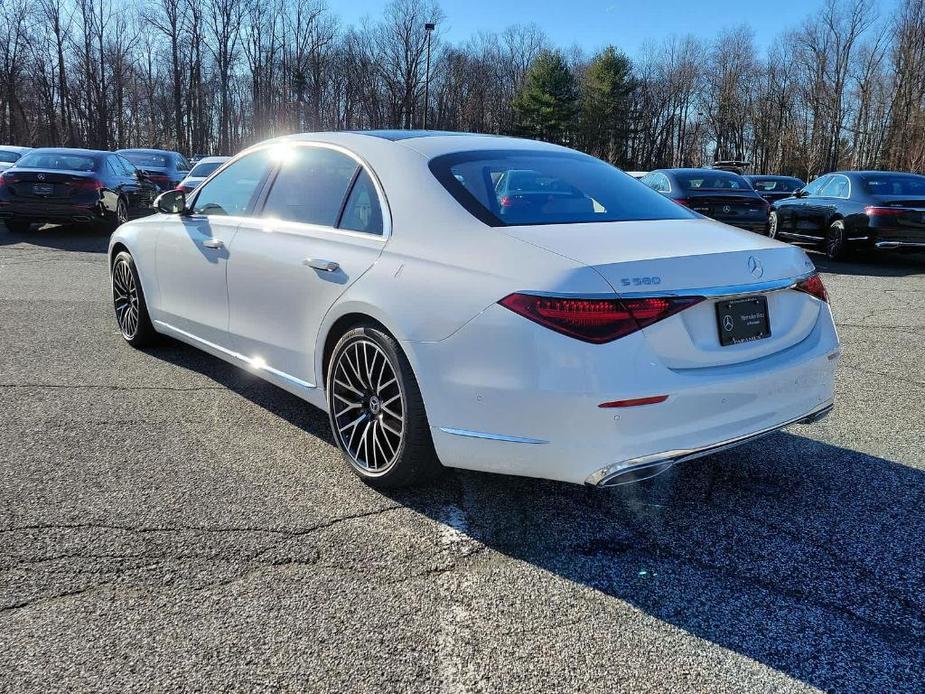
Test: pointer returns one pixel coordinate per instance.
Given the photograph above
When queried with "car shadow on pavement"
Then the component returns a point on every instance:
(64, 238)
(803, 556)
(798, 554)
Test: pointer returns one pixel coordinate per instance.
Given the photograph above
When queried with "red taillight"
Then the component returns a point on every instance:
(883, 211)
(813, 285)
(87, 184)
(684, 202)
(596, 320)
(635, 402)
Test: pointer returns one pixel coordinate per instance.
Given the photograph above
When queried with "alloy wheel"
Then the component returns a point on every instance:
(367, 407)
(772, 225)
(125, 298)
(121, 213)
(835, 242)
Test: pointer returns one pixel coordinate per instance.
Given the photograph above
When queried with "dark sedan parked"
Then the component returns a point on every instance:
(165, 168)
(846, 210)
(723, 195)
(73, 185)
(774, 188)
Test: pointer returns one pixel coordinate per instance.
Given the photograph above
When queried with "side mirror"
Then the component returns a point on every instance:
(171, 202)
(801, 193)
(142, 175)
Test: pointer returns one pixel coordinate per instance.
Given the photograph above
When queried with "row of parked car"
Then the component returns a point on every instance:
(66, 185)
(841, 212)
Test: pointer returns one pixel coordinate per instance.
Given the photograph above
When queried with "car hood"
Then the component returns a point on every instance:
(669, 254)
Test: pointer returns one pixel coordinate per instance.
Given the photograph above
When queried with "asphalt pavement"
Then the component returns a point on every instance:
(170, 523)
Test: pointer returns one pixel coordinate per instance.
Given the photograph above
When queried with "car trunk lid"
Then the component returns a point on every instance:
(43, 184)
(692, 258)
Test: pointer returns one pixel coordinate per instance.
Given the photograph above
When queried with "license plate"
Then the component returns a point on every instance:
(742, 320)
(43, 189)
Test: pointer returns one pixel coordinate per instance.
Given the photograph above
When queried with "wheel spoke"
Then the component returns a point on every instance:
(366, 406)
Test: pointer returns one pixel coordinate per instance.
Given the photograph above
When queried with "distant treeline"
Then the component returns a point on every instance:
(844, 88)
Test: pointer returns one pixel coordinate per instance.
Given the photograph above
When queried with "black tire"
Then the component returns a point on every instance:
(836, 241)
(386, 447)
(18, 226)
(772, 225)
(129, 303)
(120, 216)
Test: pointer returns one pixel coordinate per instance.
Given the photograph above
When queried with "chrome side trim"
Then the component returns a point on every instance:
(610, 474)
(900, 244)
(253, 363)
(491, 437)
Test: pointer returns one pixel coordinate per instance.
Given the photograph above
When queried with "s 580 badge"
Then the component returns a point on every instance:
(640, 281)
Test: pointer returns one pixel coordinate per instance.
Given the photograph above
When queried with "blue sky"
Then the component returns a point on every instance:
(627, 24)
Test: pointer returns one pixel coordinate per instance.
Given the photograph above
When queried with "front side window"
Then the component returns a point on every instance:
(362, 211)
(310, 187)
(524, 187)
(231, 192)
(813, 188)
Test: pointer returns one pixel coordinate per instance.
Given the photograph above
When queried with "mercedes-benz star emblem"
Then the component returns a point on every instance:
(755, 267)
(726, 209)
(41, 177)
(727, 323)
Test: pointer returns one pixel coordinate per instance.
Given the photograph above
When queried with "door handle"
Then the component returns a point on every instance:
(323, 265)
(213, 243)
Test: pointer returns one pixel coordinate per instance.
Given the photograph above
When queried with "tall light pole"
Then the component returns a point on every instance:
(428, 27)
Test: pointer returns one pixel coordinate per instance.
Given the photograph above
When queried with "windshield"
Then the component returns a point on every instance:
(909, 184)
(776, 185)
(523, 187)
(6, 155)
(144, 160)
(57, 161)
(711, 180)
(203, 170)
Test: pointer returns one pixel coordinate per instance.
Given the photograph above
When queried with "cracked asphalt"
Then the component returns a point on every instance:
(170, 523)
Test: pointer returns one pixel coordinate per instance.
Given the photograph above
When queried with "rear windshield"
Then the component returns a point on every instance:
(203, 170)
(57, 161)
(517, 187)
(894, 185)
(143, 159)
(6, 155)
(776, 185)
(711, 180)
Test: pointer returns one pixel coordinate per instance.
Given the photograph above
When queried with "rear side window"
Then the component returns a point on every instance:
(231, 191)
(203, 170)
(311, 186)
(523, 187)
(362, 211)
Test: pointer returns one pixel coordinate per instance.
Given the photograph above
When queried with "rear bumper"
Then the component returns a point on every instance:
(649, 466)
(46, 211)
(505, 395)
(759, 227)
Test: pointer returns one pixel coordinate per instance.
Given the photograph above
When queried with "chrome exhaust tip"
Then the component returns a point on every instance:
(636, 473)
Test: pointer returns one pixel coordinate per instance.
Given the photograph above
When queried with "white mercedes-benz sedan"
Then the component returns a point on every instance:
(482, 302)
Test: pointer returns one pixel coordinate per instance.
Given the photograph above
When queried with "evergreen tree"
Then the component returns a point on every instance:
(546, 107)
(606, 91)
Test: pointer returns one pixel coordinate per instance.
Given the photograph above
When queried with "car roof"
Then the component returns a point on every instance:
(701, 170)
(70, 150)
(751, 176)
(871, 173)
(212, 160)
(143, 150)
(425, 142)
(15, 148)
